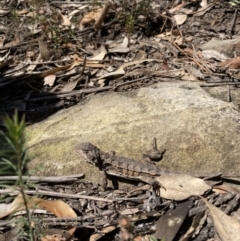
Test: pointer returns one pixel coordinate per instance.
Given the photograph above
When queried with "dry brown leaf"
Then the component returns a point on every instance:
(129, 211)
(125, 42)
(69, 86)
(32, 66)
(43, 50)
(15, 206)
(141, 54)
(65, 21)
(226, 188)
(57, 207)
(22, 12)
(102, 52)
(3, 12)
(89, 18)
(180, 18)
(181, 13)
(176, 33)
(122, 48)
(189, 38)
(89, 63)
(197, 224)
(12, 43)
(188, 77)
(193, 53)
(178, 40)
(213, 54)
(176, 8)
(79, 59)
(165, 66)
(102, 15)
(75, 12)
(69, 45)
(7, 62)
(140, 238)
(164, 36)
(169, 36)
(93, 65)
(105, 230)
(119, 49)
(53, 71)
(227, 228)
(49, 80)
(101, 83)
(2, 39)
(181, 186)
(118, 73)
(203, 9)
(4, 209)
(196, 73)
(203, 4)
(55, 237)
(233, 63)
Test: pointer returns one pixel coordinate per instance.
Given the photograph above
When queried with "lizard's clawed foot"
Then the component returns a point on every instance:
(156, 186)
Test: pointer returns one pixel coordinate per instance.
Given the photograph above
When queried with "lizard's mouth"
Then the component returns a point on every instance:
(90, 158)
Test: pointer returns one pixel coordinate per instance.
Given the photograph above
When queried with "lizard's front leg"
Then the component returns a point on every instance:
(152, 181)
(103, 181)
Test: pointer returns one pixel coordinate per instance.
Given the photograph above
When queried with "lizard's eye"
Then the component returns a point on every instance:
(86, 151)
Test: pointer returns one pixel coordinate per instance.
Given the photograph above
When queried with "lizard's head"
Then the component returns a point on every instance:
(88, 153)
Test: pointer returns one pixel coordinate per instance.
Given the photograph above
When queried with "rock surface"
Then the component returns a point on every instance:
(222, 93)
(227, 47)
(200, 133)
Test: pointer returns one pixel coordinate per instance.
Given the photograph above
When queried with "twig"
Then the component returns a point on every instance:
(53, 179)
(229, 99)
(233, 22)
(12, 192)
(219, 84)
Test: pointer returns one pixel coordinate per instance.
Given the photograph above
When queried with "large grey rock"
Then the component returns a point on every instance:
(200, 133)
(222, 93)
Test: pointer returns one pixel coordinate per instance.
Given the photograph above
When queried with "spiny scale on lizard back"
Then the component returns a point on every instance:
(130, 164)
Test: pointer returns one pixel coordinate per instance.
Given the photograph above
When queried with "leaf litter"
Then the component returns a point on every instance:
(66, 48)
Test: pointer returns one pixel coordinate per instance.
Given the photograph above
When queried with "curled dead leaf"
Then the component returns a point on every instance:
(49, 80)
(101, 54)
(226, 188)
(227, 228)
(233, 63)
(181, 186)
(43, 50)
(105, 230)
(180, 18)
(65, 21)
(57, 207)
(89, 18)
(102, 14)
